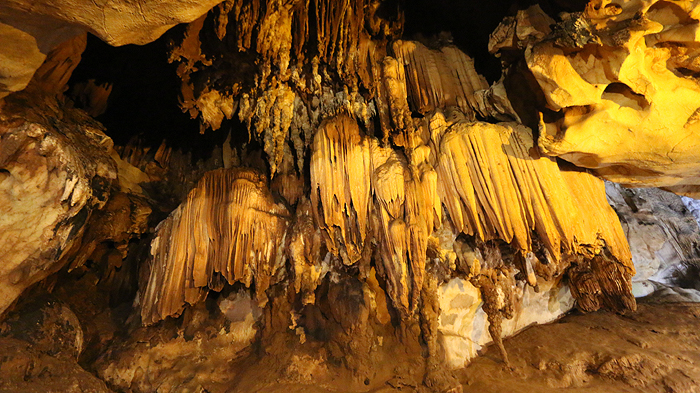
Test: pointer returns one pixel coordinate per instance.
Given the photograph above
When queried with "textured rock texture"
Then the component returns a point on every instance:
(464, 325)
(55, 173)
(61, 192)
(229, 228)
(660, 229)
(30, 30)
(626, 67)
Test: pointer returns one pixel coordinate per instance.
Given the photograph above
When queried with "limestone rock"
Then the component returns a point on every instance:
(464, 326)
(626, 68)
(55, 172)
(386, 192)
(48, 70)
(49, 325)
(25, 369)
(229, 228)
(662, 293)
(693, 205)
(31, 29)
(196, 357)
(662, 233)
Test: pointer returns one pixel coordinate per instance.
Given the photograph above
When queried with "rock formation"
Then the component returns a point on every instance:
(661, 230)
(229, 228)
(375, 196)
(627, 67)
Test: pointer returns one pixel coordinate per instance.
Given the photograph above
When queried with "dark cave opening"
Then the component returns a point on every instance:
(144, 101)
(471, 22)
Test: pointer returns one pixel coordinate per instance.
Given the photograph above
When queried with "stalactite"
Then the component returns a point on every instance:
(492, 184)
(495, 187)
(340, 188)
(305, 253)
(438, 78)
(379, 169)
(229, 228)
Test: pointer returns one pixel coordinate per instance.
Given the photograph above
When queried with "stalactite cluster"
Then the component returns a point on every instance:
(229, 228)
(397, 152)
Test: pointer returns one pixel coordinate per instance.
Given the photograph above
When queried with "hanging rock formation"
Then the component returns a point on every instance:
(396, 196)
(30, 30)
(229, 228)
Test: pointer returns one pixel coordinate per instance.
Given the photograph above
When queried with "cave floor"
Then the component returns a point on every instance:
(655, 349)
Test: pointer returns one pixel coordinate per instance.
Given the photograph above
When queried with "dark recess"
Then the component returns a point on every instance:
(471, 22)
(144, 100)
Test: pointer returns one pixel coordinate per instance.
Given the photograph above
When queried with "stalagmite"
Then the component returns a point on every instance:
(228, 228)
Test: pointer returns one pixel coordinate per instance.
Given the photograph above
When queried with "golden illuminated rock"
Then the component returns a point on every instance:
(438, 78)
(622, 78)
(373, 189)
(229, 228)
(29, 30)
(305, 254)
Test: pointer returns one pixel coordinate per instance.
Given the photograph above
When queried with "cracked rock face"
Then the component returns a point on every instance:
(660, 229)
(53, 176)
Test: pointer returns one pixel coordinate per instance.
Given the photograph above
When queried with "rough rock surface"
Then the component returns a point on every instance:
(375, 202)
(198, 354)
(63, 154)
(660, 229)
(25, 369)
(29, 30)
(628, 67)
(464, 325)
(49, 325)
(599, 352)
